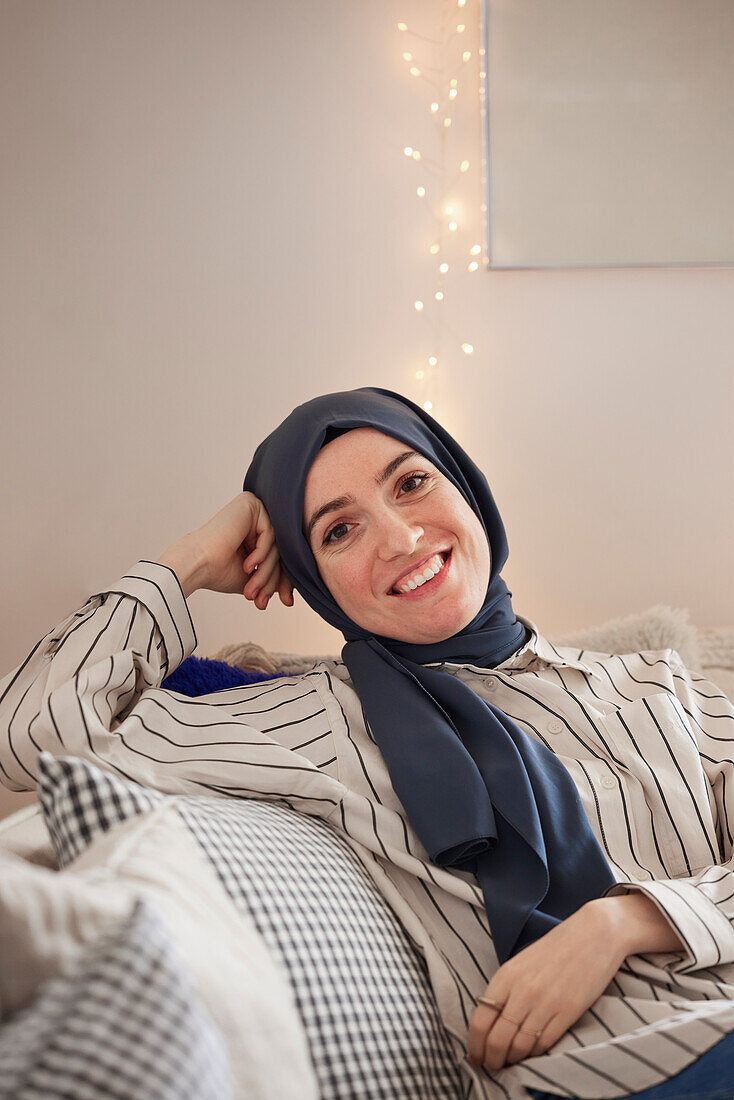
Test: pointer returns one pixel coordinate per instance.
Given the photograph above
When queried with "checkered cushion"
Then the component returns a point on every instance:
(124, 1024)
(361, 988)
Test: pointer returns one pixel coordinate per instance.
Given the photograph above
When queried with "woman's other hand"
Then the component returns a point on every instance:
(234, 552)
(546, 987)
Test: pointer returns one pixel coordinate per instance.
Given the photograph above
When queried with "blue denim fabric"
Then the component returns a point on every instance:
(710, 1077)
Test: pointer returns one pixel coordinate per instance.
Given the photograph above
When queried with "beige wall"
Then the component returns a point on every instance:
(208, 218)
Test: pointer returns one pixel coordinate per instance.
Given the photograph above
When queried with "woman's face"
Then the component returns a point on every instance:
(387, 518)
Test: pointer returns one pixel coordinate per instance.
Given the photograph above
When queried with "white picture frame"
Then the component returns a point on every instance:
(607, 133)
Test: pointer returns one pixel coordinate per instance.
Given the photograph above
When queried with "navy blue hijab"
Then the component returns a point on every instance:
(481, 795)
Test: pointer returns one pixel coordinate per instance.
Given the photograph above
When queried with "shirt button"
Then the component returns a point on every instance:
(555, 726)
(608, 782)
(491, 683)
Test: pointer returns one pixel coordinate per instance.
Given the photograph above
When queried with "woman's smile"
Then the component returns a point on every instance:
(416, 584)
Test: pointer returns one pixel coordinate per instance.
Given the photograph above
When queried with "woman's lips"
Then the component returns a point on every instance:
(430, 586)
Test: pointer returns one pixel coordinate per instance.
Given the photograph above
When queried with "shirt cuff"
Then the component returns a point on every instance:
(704, 931)
(159, 589)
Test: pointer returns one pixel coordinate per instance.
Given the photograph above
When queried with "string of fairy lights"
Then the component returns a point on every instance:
(454, 257)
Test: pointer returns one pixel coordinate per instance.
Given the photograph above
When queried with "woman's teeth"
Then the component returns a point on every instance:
(433, 566)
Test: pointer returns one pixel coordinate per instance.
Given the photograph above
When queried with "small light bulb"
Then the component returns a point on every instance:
(419, 306)
(443, 268)
(473, 266)
(416, 155)
(464, 166)
(434, 108)
(449, 208)
(476, 249)
(460, 28)
(434, 249)
(419, 374)
(408, 150)
(453, 93)
(420, 192)
(407, 56)
(452, 226)
(461, 3)
(447, 122)
(466, 55)
(433, 360)
(482, 76)
(467, 349)
(438, 295)
(402, 26)
(428, 405)
(414, 71)
(453, 82)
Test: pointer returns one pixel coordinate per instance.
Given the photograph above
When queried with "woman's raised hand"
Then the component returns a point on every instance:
(234, 551)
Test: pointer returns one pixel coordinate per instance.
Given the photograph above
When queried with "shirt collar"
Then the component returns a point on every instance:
(538, 651)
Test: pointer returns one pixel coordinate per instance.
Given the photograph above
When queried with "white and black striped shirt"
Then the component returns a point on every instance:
(649, 744)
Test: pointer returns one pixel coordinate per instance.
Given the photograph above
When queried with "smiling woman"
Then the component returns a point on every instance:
(395, 510)
(400, 549)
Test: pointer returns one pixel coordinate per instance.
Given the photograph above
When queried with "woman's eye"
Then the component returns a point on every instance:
(413, 477)
(327, 536)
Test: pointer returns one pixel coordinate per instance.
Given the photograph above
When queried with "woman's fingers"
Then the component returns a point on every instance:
(509, 1042)
(261, 586)
(498, 1038)
(481, 1021)
(271, 582)
(266, 575)
(265, 541)
(285, 589)
(279, 583)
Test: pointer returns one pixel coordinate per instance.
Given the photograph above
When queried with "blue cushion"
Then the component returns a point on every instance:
(202, 675)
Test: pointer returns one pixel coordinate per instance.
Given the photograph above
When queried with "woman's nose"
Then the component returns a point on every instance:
(397, 536)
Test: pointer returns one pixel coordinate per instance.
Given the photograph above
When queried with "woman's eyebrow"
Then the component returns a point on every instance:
(341, 502)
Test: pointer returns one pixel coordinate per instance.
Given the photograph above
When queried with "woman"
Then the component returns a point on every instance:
(546, 868)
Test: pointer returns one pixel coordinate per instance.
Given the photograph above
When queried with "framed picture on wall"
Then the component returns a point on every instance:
(608, 133)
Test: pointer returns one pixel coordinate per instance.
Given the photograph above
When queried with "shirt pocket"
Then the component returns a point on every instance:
(653, 741)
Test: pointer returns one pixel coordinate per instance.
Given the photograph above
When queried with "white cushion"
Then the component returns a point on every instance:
(46, 917)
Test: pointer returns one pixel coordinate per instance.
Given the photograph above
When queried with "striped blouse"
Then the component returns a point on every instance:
(649, 744)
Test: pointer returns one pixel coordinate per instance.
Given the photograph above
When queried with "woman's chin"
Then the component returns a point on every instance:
(417, 622)
(428, 629)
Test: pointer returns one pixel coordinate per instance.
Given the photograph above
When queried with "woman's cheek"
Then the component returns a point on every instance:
(348, 583)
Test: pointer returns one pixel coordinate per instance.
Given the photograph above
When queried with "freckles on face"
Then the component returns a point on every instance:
(390, 514)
